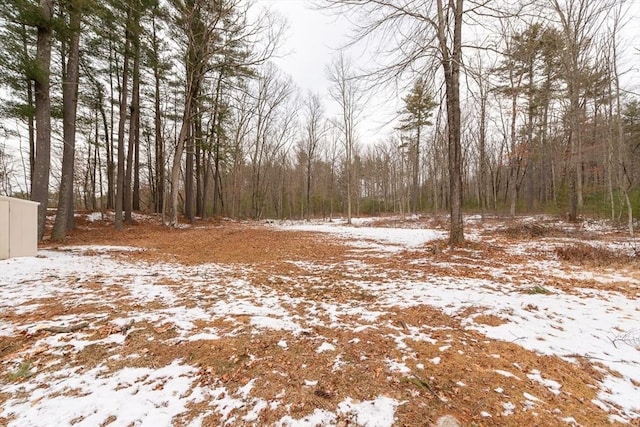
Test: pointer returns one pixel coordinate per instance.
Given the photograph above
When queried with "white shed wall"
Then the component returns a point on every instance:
(18, 227)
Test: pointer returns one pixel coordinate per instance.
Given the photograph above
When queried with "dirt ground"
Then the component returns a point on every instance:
(463, 384)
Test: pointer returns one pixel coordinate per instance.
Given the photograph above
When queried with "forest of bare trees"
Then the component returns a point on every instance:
(176, 107)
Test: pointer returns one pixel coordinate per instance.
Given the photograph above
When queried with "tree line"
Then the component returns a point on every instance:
(176, 107)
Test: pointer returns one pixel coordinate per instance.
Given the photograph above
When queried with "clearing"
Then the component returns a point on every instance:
(534, 322)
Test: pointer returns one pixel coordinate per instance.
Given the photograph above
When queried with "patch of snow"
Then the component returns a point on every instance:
(338, 363)
(395, 366)
(553, 386)
(399, 238)
(530, 397)
(506, 374)
(508, 408)
(371, 413)
(325, 346)
(134, 396)
(319, 417)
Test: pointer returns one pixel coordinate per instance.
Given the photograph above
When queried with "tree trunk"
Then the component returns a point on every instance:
(159, 178)
(188, 178)
(190, 95)
(133, 148)
(30, 102)
(416, 168)
(120, 178)
(64, 213)
(42, 162)
(451, 67)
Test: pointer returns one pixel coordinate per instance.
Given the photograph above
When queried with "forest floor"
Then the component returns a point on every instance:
(534, 321)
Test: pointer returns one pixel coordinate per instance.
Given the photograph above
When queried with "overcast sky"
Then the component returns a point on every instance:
(314, 36)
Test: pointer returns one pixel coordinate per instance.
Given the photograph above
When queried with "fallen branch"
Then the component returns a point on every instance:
(631, 338)
(66, 329)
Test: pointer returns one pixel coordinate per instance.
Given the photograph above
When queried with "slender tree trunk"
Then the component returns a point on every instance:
(482, 185)
(64, 213)
(190, 95)
(159, 176)
(120, 178)
(136, 161)
(30, 102)
(159, 147)
(188, 178)
(108, 147)
(416, 168)
(133, 148)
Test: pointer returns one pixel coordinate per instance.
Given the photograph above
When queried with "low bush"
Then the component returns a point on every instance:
(581, 253)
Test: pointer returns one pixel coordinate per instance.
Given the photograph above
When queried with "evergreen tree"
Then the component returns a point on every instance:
(418, 108)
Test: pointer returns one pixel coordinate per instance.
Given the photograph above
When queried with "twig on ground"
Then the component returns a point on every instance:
(631, 338)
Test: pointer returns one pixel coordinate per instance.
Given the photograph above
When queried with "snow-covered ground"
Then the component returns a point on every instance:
(598, 325)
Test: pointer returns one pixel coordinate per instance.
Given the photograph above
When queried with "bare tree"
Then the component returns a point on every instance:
(416, 35)
(579, 21)
(314, 131)
(347, 93)
(272, 127)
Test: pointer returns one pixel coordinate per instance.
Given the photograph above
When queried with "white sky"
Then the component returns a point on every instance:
(314, 37)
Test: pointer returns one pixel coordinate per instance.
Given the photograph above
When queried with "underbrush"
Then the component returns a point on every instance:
(584, 254)
(530, 231)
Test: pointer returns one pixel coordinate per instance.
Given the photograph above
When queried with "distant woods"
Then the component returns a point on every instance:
(175, 107)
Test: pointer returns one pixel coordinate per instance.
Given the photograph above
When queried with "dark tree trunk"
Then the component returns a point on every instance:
(30, 102)
(188, 173)
(451, 61)
(120, 178)
(159, 145)
(134, 131)
(64, 214)
(42, 161)
(416, 168)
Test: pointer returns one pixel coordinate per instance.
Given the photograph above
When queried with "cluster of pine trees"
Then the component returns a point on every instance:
(175, 107)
